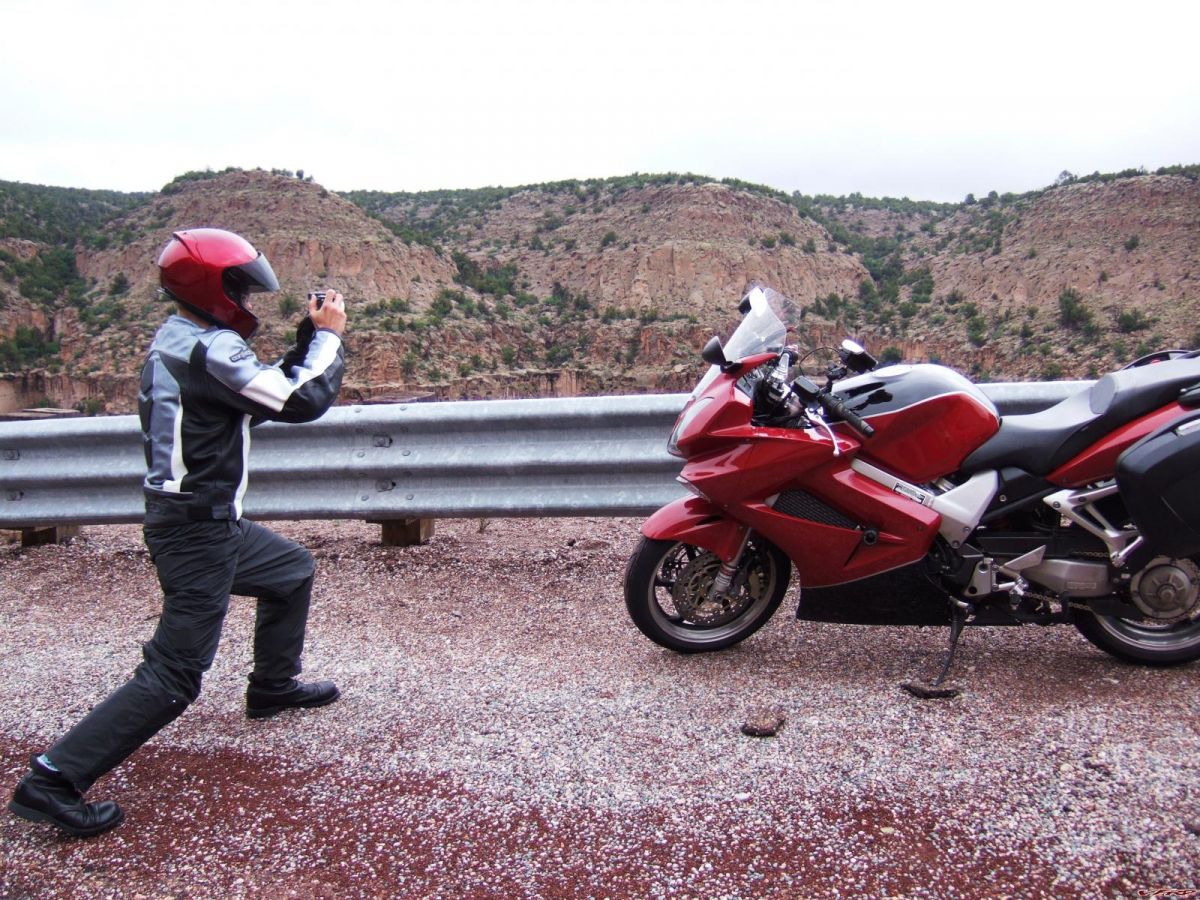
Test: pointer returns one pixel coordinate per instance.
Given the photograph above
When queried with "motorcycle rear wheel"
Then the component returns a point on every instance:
(666, 585)
(1140, 642)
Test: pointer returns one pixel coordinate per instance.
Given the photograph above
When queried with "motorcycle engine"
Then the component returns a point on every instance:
(1167, 590)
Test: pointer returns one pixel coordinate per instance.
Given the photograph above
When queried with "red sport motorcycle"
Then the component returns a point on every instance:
(902, 496)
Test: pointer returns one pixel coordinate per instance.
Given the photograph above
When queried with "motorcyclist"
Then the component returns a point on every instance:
(202, 387)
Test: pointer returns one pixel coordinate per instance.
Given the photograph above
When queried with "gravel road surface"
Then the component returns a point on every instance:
(504, 731)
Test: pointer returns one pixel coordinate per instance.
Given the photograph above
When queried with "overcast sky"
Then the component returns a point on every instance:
(919, 99)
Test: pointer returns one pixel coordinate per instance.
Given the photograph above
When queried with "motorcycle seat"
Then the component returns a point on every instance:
(1040, 442)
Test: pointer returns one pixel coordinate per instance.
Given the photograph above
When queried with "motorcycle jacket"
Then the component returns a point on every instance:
(202, 388)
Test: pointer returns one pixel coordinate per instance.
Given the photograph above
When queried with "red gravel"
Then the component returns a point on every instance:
(506, 732)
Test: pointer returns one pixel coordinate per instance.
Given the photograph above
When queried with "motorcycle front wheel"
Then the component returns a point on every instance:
(667, 594)
(1148, 644)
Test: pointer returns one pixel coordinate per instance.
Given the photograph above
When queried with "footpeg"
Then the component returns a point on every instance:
(984, 580)
(1014, 567)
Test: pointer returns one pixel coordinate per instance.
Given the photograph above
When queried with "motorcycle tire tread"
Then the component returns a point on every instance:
(641, 573)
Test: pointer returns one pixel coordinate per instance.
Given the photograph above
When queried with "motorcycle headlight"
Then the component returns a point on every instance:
(686, 418)
(691, 488)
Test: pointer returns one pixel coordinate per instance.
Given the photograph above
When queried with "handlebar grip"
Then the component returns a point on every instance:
(837, 406)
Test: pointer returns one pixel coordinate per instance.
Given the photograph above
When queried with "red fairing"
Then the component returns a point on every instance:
(931, 438)
(710, 424)
(701, 523)
(828, 554)
(788, 485)
(927, 419)
(1099, 461)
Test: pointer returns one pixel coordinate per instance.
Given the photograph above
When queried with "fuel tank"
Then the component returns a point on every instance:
(927, 418)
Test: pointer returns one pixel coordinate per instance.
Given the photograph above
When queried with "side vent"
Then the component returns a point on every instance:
(803, 505)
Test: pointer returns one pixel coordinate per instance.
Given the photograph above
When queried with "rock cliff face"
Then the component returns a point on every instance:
(16, 310)
(1073, 282)
(1131, 244)
(688, 249)
(311, 236)
(609, 287)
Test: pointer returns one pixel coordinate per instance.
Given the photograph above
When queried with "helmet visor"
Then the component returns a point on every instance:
(241, 281)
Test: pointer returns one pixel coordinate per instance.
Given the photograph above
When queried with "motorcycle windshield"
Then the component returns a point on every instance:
(763, 329)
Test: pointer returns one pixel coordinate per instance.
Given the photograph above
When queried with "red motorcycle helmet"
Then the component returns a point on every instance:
(213, 273)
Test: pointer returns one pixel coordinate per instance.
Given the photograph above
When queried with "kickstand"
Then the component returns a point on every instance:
(935, 691)
(956, 627)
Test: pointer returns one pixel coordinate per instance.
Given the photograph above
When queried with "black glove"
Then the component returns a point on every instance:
(304, 335)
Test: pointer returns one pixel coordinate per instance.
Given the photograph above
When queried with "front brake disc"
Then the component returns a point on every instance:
(690, 593)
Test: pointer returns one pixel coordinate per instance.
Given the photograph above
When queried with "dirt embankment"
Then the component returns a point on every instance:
(505, 731)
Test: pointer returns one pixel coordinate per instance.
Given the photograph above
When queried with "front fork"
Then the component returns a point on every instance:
(696, 521)
(721, 584)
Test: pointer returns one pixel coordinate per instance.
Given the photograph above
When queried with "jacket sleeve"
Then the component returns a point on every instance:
(300, 392)
(296, 353)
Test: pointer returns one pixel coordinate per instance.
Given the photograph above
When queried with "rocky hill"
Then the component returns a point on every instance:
(605, 286)
(1070, 282)
(683, 249)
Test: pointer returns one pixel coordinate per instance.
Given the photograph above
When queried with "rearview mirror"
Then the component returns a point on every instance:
(856, 358)
(713, 353)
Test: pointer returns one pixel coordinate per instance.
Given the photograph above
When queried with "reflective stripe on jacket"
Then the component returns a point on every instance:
(201, 389)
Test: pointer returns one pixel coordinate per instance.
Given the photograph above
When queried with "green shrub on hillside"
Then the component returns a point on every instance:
(61, 216)
(977, 331)
(26, 348)
(497, 280)
(1071, 311)
(443, 303)
(921, 282)
(289, 304)
(1133, 320)
(176, 184)
(49, 276)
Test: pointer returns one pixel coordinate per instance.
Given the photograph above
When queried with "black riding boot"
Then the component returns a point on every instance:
(47, 796)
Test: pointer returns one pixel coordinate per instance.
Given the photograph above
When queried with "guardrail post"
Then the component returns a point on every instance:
(36, 537)
(406, 532)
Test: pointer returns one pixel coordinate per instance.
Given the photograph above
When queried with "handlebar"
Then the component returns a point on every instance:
(778, 390)
(810, 393)
(837, 406)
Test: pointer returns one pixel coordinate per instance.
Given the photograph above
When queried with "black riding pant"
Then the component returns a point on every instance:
(199, 565)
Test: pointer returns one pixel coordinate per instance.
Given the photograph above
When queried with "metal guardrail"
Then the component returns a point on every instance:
(497, 458)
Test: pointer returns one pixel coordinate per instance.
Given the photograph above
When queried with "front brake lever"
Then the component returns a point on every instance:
(815, 416)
